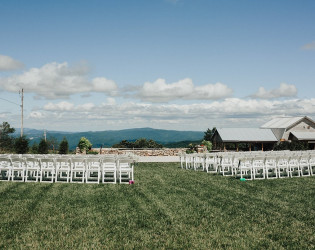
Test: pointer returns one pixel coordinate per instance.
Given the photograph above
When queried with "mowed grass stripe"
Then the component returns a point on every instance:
(167, 207)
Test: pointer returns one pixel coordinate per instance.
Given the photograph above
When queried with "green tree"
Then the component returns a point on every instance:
(208, 134)
(153, 144)
(64, 146)
(34, 148)
(21, 145)
(124, 144)
(43, 147)
(141, 143)
(208, 144)
(52, 143)
(84, 144)
(144, 143)
(6, 141)
(298, 145)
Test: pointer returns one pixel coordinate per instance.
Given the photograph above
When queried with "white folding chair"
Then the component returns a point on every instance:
(271, 167)
(246, 168)
(236, 166)
(5, 168)
(18, 169)
(77, 170)
(227, 165)
(109, 169)
(47, 169)
(211, 165)
(63, 169)
(189, 161)
(283, 170)
(93, 170)
(294, 166)
(125, 170)
(259, 170)
(182, 160)
(305, 165)
(198, 162)
(32, 171)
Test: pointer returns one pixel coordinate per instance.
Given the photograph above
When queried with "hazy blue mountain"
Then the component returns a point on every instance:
(110, 137)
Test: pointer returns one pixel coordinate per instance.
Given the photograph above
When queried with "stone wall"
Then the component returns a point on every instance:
(142, 152)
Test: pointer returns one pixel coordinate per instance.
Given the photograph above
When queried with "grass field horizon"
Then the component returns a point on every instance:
(167, 207)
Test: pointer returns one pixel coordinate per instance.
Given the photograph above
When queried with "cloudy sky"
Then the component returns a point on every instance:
(171, 64)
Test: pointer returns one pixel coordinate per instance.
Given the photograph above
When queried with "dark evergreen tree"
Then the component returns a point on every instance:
(6, 141)
(64, 146)
(21, 145)
(34, 148)
(209, 133)
(43, 147)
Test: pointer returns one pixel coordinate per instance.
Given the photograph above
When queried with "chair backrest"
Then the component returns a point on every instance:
(93, 160)
(17, 161)
(78, 163)
(6, 161)
(47, 162)
(32, 161)
(73, 160)
(109, 158)
(63, 160)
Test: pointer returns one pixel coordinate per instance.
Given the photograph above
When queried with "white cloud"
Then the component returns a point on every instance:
(111, 101)
(284, 90)
(8, 63)
(58, 80)
(160, 91)
(101, 84)
(4, 115)
(37, 115)
(231, 112)
(67, 106)
(61, 106)
(309, 46)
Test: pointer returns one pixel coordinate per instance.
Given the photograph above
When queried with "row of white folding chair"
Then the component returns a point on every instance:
(66, 170)
(274, 167)
(255, 167)
(199, 162)
(91, 169)
(193, 161)
(50, 170)
(94, 170)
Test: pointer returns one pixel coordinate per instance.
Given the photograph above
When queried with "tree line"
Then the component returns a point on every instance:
(140, 143)
(21, 145)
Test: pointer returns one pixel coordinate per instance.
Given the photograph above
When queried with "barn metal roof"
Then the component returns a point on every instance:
(282, 122)
(304, 135)
(246, 135)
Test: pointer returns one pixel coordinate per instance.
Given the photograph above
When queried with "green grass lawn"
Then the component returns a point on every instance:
(167, 207)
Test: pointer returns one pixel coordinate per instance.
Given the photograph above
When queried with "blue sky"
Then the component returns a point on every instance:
(184, 65)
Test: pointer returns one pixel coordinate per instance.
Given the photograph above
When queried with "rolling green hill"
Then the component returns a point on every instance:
(110, 137)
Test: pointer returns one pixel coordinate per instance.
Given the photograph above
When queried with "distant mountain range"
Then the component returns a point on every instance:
(108, 138)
